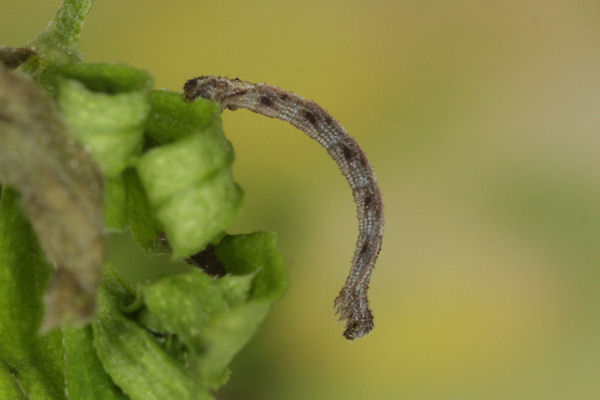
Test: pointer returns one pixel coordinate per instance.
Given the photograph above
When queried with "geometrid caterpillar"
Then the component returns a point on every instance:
(351, 304)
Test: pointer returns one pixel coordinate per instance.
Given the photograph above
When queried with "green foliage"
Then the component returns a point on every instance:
(172, 118)
(190, 187)
(104, 114)
(176, 340)
(132, 355)
(85, 379)
(160, 166)
(143, 225)
(106, 106)
(217, 317)
(30, 365)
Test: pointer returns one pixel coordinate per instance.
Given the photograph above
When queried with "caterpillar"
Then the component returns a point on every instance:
(351, 304)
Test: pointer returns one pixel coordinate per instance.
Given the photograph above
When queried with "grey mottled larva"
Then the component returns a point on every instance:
(351, 304)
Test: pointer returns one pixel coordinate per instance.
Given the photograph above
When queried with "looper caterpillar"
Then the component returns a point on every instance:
(352, 303)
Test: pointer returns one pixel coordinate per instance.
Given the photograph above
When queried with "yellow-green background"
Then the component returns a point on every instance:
(482, 121)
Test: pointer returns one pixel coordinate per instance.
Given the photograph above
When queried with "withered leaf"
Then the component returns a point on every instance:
(12, 57)
(61, 193)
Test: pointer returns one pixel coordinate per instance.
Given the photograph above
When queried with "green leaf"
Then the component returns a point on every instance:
(256, 252)
(216, 296)
(10, 387)
(195, 216)
(108, 77)
(189, 183)
(214, 318)
(226, 335)
(48, 167)
(169, 169)
(29, 365)
(84, 377)
(253, 254)
(106, 106)
(144, 226)
(115, 198)
(172, 117)
(132, 356)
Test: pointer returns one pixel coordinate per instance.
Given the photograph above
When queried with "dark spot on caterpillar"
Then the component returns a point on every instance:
(329, 120)
(368, 199)
(241, 92)
(310, 116)
(284, 96)
(266, 101)
(363, 250)
(347, 152)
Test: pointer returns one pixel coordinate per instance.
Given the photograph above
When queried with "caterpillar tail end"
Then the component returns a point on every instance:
(352, 306)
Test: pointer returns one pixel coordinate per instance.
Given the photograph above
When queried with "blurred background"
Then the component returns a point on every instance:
(482, 122)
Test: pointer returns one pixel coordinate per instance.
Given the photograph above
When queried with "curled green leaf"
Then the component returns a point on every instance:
(172, 117)
(177, 341)
(61, 192)
(188, 181)
(215, 318)
(255, 253)
(131, 354)
(106, 106)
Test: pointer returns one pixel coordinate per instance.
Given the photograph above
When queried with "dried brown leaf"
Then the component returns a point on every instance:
(61, 193)
(12, 57)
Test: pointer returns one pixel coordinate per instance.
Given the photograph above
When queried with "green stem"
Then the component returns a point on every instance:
(58, 42)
